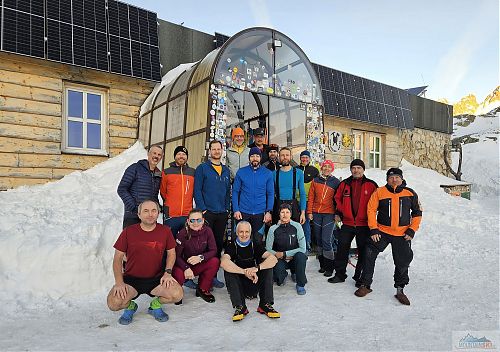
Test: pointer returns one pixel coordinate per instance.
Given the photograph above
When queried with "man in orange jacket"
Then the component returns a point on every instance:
(394, 215)
(176, 190)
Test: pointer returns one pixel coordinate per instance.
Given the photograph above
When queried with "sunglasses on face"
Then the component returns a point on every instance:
(193, 221)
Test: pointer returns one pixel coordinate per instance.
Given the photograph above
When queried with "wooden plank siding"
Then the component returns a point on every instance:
(31, 108)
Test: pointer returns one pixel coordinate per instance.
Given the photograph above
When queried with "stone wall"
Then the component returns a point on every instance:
(425, 148)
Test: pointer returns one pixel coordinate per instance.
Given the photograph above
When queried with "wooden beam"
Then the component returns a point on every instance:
(30, 132)
(63, 161)
(12, 182)
(15, 145)
(29, 106)
(27, 119)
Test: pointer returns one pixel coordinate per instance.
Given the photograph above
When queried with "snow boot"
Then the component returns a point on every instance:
(239, 313)
(268, 310)
(328, 265)
(363, 291)
(321, 264)
(336, 279)
(156, 311)
(401, 297)
(128, 314)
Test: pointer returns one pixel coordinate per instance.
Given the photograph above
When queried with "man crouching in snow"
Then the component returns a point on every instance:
(146, 244)
(394, 215)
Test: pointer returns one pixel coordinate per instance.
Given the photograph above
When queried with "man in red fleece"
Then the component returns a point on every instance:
(351, 199)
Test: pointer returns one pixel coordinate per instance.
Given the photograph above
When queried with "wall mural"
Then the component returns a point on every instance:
(315, 139)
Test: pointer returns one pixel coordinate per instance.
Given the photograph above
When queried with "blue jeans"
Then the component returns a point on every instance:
(297, 266)
(176, 224)
(307, 232)
(324, 226)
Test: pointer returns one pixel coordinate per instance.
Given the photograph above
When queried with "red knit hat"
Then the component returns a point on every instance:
(328, 162)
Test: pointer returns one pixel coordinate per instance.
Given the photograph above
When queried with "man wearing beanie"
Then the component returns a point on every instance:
(273, 163)
(176, 190)
(351, 199)
(310, 172)
(394, 215)
(253, 193)
(237, 153)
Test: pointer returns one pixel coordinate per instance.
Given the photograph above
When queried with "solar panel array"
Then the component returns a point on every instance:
(106, 35)
(357, 98)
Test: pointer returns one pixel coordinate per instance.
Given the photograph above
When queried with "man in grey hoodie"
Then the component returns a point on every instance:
(237, 153)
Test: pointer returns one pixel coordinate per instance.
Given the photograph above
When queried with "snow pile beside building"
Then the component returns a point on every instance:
(56, 238)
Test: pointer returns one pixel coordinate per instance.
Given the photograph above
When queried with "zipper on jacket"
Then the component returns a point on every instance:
(182, 197)
(400, 207)
(389, 209)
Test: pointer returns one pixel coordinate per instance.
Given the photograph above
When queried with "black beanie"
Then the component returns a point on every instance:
(394, 171)
(357, 162)
(180, 148)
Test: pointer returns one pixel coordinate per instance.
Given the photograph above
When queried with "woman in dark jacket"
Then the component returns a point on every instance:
(196, 255)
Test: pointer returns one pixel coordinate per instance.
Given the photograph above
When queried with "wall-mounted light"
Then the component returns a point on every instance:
(277, 43)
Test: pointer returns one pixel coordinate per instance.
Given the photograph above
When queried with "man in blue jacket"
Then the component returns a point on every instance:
(253, 193)
(141, 181)
(212, 193)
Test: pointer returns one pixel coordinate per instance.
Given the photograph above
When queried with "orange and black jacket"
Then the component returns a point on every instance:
(394, 211)
(321, 193)
(343, 201)
(176, 190)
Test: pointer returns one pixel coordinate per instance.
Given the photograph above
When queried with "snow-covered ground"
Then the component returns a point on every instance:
(55, 271)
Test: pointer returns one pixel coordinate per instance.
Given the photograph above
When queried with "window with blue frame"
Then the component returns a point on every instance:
(85, 122)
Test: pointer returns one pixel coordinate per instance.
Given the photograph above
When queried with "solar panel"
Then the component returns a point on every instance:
(107, 35)
(361, 99)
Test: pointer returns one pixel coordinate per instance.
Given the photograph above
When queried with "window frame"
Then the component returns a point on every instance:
(373, 152)
(362, 144)
(85, 90)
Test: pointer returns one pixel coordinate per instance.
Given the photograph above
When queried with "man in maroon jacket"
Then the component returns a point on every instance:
(351, 200)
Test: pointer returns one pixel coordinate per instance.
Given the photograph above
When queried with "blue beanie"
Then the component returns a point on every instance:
(306, 153)
(255, 150)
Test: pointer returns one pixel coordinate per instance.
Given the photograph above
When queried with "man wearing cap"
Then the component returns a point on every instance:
(394, 215)
(310, 172)
(286, 241)
(273, 163)
(237, 153)
(176, 190)
(253, 193)
(351, 199)
(139, 182)
(259, 137)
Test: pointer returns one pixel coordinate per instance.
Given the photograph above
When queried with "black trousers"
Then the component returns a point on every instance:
(217, 222)
(297, 266)
(130, 220)
(256, 221)
(239, 286)
(347, 234)
(401, 254)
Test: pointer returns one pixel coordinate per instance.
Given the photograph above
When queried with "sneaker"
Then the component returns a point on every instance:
(158, 314)
(190, 284)
(217, 283)
(301, 290)
(362, 291)
(335, 280)
(240, 313)
(205, 295)
(128, 314)
(401, 297)
(268, 310)
(294, 278)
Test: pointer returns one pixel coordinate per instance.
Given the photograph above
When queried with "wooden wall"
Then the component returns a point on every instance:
(31, 97)
(391, 150)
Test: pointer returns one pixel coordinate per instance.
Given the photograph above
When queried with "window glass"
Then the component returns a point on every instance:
(93, 136)
(247, 64)
(93, 106)
(158, 124)
(144, 129)
(287, 123)
(75, 104)
(175, 122)
(375, 152)
(75, 134)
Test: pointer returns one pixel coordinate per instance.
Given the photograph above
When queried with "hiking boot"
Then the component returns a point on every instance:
(336, 279)
(216, 283)
(128, 314)
(321, 270)
(301, 290)
(268, 310)
(401, 297)
(328, 273)
(240, 313)
(328, 264)
(190, 284)
(362, 291)
(158, 314)
(206, 295)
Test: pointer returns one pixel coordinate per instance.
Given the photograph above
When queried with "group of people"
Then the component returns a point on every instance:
(273, 206)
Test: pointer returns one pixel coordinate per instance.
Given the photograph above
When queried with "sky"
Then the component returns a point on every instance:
(450, 45)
